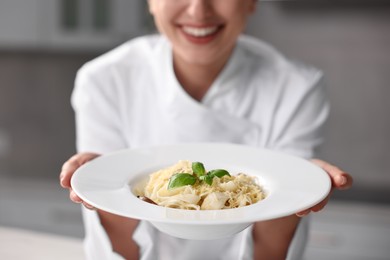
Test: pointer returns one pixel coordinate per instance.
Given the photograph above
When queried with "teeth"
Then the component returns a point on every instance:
(199, 32)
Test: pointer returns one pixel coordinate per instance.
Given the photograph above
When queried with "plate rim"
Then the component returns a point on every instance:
(164, 215)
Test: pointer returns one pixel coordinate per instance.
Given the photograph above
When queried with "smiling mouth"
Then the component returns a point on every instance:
(200, 31)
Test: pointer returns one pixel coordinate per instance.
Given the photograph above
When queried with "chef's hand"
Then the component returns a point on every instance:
(340, 180)
(67, 170)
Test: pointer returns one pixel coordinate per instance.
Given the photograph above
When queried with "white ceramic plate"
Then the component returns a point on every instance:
(292, 184)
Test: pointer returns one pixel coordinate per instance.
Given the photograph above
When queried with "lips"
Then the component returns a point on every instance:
(200, 35)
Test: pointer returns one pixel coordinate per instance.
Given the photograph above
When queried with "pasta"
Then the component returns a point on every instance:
(221, 193)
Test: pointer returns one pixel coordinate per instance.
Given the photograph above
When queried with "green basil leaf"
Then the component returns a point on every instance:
(207, 178)
(218, 173)
(181, 179)
(198, 169)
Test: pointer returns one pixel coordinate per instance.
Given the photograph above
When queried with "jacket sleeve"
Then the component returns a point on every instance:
(98, 119)
(301, 115)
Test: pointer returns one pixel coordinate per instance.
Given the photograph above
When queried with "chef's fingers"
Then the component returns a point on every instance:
(76, 199)
(340, 179)
(315, 208)
(72, 164)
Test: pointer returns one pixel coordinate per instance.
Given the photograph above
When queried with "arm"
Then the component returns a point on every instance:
(298, 122)
(272, 238)
(99, 128)
(120, 229)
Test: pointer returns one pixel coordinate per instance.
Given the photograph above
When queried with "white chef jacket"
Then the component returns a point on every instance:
(130, 97)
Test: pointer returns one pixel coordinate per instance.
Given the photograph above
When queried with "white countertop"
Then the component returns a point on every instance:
(22, 244)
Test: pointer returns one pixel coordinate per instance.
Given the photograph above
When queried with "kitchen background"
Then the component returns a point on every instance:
(44, 42)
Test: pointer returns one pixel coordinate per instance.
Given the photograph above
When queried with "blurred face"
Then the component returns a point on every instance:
(201, 31)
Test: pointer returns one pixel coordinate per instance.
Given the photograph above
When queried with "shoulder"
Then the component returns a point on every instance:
(136, 52)
(104, 78)
(266, 58)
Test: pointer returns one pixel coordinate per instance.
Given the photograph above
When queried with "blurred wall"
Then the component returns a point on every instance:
(36, 120)
(349, 42)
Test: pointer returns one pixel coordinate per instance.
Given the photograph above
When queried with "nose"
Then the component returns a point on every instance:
(199, 9)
